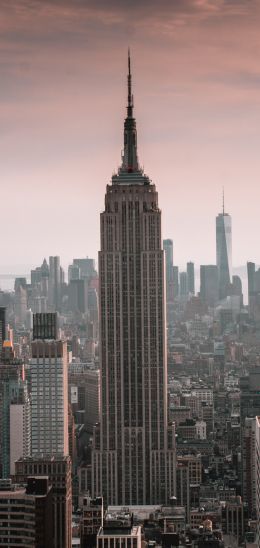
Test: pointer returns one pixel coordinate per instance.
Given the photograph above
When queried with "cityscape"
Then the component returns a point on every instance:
(130, 385)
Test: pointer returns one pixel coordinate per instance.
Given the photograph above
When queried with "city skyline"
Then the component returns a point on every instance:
(197, 110)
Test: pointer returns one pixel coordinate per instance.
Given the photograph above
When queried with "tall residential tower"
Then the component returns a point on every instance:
(134, 457)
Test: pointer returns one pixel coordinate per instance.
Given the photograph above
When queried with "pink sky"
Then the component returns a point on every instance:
(196, 75)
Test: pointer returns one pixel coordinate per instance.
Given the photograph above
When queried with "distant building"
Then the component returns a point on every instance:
(191, 278)
(209, 292)
(2, 328)
(168, 249)
(55, 280)
(176, 287)
(183, 292)
(224, 252)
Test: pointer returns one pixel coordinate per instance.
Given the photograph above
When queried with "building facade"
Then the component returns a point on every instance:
(49, 395)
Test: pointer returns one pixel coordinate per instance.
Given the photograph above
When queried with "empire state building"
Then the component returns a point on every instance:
(133, 457)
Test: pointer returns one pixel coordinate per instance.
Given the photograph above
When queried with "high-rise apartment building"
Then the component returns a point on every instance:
(224, 252)
(133, 460)
(49, 390)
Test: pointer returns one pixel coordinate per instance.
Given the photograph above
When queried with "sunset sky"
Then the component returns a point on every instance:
(196, 78)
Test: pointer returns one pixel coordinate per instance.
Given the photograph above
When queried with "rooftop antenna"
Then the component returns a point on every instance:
(223, 201)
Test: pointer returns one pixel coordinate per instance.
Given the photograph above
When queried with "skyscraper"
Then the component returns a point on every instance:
(168, 248)
(49, 382)
(224, 252)
(133, 460)
(209, 284)
(2, 327)
(191, 278)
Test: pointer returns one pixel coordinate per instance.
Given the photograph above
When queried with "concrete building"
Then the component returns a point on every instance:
(26, 514)
(92, 520)
(19, 425)
(251, 466)
(58, 470)
(118, 530)
(134, 447)
(84, 392)
(49, 396)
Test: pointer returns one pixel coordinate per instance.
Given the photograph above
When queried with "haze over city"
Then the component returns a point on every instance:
(196, 78)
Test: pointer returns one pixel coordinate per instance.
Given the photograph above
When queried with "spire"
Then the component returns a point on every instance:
(130, 158)
(223, 201)
(130, 104)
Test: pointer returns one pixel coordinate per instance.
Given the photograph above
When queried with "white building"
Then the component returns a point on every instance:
(49, 382)
(20, 426)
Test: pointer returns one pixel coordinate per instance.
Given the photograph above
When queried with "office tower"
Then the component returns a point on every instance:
(54, 283)
(133, 460)
(20, 300)
(45, 326)
(84, 390)
(168, 249)
(58, 470)
(11, 374)
(86, 267)
(251, 285)
(224, 252)
(73, 272)
(49, 385)
(190, 278)
(175, 282)
(78, 296)
(2, 328)
(19, 424)
(209, 292)
(26, 514)
(183, 285)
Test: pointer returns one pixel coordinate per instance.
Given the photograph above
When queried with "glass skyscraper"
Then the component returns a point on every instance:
(224, 252)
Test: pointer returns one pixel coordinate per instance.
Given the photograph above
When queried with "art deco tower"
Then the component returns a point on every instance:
(224, 252)
(133, 460)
